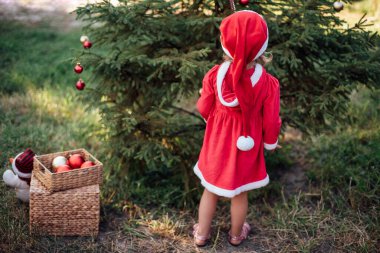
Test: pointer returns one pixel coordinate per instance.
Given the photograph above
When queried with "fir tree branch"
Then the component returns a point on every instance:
(191, 128)
(188, 112)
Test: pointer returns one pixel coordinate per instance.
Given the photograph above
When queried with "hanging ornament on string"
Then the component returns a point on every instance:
(88, 7)
(244, 2)
(78, 68)
(338, 6)
(80, 84)
(83, 38)
(232, 5)
(87, 44)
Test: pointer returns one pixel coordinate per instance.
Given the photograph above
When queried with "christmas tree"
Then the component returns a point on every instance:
(149, 57)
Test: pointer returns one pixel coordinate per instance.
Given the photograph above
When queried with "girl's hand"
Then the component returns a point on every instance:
(277, 147)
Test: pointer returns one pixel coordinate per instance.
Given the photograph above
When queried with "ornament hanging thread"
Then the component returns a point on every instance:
(241, 2)
(232, 5)
(78, 68)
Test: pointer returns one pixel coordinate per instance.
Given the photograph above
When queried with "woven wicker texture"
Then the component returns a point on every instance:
(66, 213)
(67, 180)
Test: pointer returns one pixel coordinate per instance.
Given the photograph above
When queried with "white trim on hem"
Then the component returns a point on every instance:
(229, 193)
(270, 146)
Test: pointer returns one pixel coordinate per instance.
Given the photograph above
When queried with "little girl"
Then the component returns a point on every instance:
(240, 102)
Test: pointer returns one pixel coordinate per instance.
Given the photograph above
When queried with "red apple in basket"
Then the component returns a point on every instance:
(63, 168)
(75, 161)
(87, 164)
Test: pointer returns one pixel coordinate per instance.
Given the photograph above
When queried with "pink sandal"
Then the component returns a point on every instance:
(200, 240)
(237, 240)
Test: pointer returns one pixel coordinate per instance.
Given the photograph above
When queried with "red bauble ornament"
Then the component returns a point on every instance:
(76, 161)
(244, 2)
(80, 84)
(78, 68)
(87, 44)
(87, 164)
(63, 168)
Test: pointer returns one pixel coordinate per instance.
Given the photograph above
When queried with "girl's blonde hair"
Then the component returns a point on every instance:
(263, 59)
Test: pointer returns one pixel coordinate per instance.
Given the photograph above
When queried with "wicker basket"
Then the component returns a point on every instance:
(65, 213)
(67, 180)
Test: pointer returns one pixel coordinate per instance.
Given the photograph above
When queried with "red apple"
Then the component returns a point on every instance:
(62, 168)
(88, 164)
(76, 161)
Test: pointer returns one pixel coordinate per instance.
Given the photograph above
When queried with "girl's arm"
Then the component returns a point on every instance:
(271, 114)
(206, 101)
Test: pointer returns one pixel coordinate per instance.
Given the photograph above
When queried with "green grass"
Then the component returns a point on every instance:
(39, 105)
(36, 57)
(41, 109)
(346, 168)
(335, 210)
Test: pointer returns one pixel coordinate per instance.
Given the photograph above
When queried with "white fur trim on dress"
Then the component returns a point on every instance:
(270, 146)
(245, 143)
(219, 81)
(19, 173)
(229, 193)
(222, 71)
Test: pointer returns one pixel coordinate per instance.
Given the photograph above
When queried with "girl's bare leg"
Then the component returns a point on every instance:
(239, 208)
(206, 212)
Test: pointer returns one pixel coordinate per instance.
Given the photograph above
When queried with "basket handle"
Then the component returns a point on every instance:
(41, 168)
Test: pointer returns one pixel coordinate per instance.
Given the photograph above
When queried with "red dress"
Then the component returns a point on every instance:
(222, 167)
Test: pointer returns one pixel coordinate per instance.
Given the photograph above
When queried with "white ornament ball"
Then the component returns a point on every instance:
(83, 38)
(338, 6)
(58, 161)
(245, 143)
